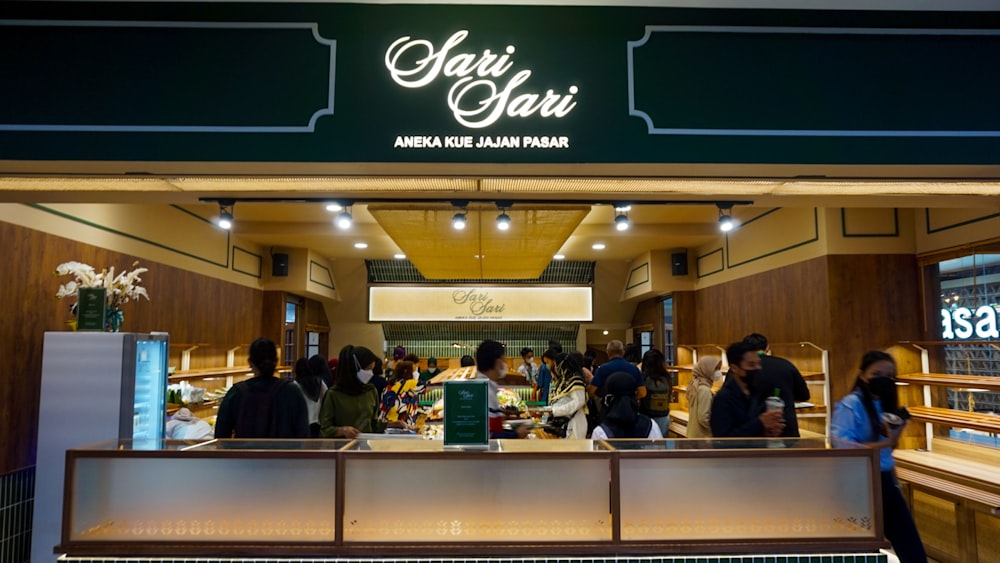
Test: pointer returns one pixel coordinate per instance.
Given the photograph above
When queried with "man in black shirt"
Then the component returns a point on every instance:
(734, 414)
(778, 373)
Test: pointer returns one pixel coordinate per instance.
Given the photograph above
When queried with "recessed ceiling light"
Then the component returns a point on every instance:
(605, 333)
(334, 207)
(559, 257)
(360, 245)
(599, 246)
(399, 256)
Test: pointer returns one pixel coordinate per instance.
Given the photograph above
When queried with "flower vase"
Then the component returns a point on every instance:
(114, 321)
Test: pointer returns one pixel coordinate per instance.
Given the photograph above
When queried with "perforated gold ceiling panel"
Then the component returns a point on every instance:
(425, 234)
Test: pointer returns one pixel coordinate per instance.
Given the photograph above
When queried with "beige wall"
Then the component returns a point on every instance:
(938, 229)
(309, 275)
(349, 318)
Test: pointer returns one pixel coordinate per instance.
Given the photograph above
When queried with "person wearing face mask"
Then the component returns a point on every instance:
(622, 418)
(859, 418)
(781, 375)
(734, 413)
(350, 407)
(699, 396)
(491, 366)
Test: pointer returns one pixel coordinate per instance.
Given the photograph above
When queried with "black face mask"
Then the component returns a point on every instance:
(884, 389)
(751, 376)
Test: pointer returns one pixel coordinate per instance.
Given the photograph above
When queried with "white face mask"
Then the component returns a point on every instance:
(366, 375)
(717, 376)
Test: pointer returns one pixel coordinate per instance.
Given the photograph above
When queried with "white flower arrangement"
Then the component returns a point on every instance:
(120, 289)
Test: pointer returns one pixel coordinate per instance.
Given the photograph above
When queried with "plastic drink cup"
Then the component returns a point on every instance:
(775, 404)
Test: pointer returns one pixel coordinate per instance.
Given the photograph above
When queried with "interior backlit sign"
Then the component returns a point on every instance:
(963, 323)
(485, 87)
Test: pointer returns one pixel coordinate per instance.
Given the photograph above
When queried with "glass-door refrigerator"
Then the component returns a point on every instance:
(95, 386)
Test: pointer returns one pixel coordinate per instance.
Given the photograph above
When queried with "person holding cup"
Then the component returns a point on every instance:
(862, 417)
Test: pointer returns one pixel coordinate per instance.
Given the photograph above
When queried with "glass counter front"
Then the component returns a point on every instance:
(414, 497)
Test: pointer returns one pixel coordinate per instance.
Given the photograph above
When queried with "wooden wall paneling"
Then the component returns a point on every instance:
(685, 323)
(648, 316)
(788, 304)
(936, 519)
(988, 537)
(874, 303)
(190, 306)
(273, 317)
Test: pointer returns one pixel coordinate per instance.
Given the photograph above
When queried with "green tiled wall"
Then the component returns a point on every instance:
(17, 492)
(859, 558)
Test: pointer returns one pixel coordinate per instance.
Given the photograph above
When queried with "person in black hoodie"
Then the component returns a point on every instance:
(734, 413)
(622, 418)
(781, 375)
(263, 406)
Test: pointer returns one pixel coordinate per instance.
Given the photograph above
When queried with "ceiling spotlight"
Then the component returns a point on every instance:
(598, 246)
(621, 221)
(361, 245)
(559, 257)
(344, 220)
(334, 207)
(726, 223)
(503, 220)
(605, 333)
(458, 221)
(399, 256)
(225, 220)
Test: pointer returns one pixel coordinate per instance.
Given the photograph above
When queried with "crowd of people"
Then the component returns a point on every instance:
(627, 396)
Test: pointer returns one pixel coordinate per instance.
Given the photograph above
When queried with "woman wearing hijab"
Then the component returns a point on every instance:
(568, 398)
(622, 418)
(699, 396)
(350, 407)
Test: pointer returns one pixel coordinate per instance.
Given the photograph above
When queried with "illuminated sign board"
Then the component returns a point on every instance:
(493, 304)
(963, 323)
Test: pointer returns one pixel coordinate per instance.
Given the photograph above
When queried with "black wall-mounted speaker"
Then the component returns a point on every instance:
(679, 263)
(279, 265)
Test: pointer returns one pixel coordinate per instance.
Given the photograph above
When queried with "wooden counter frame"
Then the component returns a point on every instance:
(341, 548)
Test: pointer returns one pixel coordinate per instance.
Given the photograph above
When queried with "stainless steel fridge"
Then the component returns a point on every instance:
(95, 386)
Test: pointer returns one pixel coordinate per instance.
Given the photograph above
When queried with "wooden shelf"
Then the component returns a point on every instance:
(206, 373)
(817, 376)
(954, 466)
(680, 368)
(956, 419)
(949, 380)
(205, 405)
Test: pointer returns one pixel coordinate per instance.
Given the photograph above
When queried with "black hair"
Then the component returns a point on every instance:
(555, 345)
(871, 357)
(652, 365)
(756, 340)
(551, 354)
(588, 359)
(569, 364)
(320, 368)
(487, 354)
(264, 356)
(525, 351)
(467, 361)
(352, 360)
(307, 379)
(377, 368)
(736, 351)
(632, 353)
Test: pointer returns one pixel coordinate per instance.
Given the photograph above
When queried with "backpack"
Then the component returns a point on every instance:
(656, 403)
(258, 416)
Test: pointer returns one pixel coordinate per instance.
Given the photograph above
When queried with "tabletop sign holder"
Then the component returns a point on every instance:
(466, 414)
(91, 312)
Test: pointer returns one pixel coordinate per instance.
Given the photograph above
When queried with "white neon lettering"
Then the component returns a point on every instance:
(963, 328)
(475, 99)
(947, 333)
(987, 325)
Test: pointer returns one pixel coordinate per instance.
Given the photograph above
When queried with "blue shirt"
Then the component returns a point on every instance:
(612, 366)
(851, 422)
(544, 381)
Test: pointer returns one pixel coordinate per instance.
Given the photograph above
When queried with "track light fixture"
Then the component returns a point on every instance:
(344, 220)
(621, 217)
(503, 220)
(225, 220)
(459, 220)
(726, 223)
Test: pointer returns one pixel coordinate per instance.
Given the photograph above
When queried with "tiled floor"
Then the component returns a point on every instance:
(17, 492)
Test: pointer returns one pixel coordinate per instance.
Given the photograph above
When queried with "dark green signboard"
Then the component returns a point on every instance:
(91, 312)
(466, 413)
(442, 83)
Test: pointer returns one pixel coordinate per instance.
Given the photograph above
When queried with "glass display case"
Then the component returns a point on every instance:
(413, 497)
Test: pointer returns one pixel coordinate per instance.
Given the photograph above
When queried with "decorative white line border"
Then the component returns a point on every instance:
(654, 130)
(311, 127)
